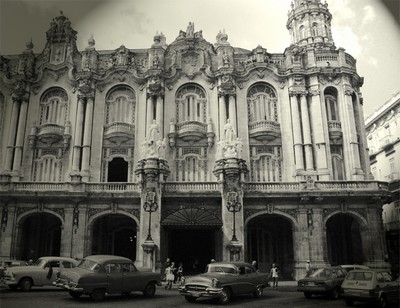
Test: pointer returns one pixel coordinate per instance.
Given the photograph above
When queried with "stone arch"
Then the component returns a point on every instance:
(113, 232)
(290, 217)
(191, 217)
(38, 233)
(360, 218)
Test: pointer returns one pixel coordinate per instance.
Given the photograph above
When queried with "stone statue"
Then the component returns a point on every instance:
(229, 132)
(190, 30)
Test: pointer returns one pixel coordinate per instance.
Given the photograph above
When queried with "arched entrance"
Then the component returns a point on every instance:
(40, 235)
(192, 236)
(344, 240)
(114, 234)
(270, 240)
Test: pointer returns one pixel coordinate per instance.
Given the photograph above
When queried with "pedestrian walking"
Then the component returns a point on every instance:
(179, 273)
(254, 264)
(169, 277)
(308, 268)
(274, 273)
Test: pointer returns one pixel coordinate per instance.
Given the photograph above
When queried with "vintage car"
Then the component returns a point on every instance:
(42, 273)
(99, 275)
(370, 285)
(222, 280)
(9, 263)
(322, 281)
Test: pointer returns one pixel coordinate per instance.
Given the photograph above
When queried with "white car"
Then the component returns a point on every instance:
(42, 273)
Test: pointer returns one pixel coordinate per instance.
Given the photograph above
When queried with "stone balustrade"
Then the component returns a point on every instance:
(119, 127)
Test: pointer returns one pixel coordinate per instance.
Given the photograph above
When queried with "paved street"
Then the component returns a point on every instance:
(284, 296)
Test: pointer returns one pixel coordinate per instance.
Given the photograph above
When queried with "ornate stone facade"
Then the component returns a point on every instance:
(189, 150)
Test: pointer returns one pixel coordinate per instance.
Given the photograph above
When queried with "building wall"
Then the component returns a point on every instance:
(189, 136)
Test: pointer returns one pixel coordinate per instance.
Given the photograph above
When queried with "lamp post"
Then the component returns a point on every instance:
(233, 206)
(150, 205)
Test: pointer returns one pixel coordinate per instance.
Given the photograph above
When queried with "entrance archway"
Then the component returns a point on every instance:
(40, 235)
(193, 237)
(270, 240)
(115, 234)
(344, 240)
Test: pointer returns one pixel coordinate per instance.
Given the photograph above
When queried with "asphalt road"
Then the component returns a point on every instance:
(50, 297)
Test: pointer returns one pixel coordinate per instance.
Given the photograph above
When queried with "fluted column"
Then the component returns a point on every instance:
(149, 115)
(87, 135)
(11, 136)
(305, 120)
(232, 111)
(222, 115)
(297, 140)
(78, 136)
(318, 134)
(19, 143)
(160, 112)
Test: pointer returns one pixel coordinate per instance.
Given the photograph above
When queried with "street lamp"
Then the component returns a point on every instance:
(233, 206)
(150, 205)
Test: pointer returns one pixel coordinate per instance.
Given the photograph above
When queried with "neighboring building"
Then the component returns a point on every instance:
(383, 137)
(189, 150)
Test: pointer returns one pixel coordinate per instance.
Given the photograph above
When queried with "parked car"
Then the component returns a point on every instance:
(99, 275)
(9, 263)
(222, 280)
(350, 267)
(42, 273)
(370, 285)
(324, 281)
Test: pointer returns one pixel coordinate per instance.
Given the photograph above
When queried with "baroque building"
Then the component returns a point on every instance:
(190, 150)
(383, 137)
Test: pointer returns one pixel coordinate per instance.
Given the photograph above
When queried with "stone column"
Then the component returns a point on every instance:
(6, 232)
(66, 234)
(305, 120)
(232, 111)
(222, 115)
(318, 128)
(19, 143)
(160, 113)
(78, 136)
(297, 140)
(12, 135)
(87, 138)
(149, 115)
(350, 143)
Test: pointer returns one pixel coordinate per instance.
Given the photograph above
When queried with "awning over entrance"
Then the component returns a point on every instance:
(192, 217)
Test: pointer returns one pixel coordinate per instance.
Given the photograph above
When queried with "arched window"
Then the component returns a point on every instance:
(191, 164)
(331, 105)
(47, 165)
(262, 103)
(315, 29)
(54, 107)
(265, 164)
(120, 106)
(302, 31)
(337, 163)
(191, 104)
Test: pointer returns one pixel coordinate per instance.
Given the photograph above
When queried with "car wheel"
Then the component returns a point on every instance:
(225, 296)
(75, 294)
(150, 289)
(382, 301)
(190, 299)
(258, 292)
(98, 295)
(349, 302)
(307, 295)
(335, 293)
(26, 284)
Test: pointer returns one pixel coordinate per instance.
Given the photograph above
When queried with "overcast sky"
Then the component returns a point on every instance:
(367, 29)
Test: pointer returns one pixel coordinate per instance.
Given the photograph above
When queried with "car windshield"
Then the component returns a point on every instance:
(359, 276)
(89, 265)
(321, 273)
(40, 263)
(210, 268)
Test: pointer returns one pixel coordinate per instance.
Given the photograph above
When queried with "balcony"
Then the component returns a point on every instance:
(335, 130)
(265, 130)
(191, 131)
(50, 133)
(119, 132)
(386, 142)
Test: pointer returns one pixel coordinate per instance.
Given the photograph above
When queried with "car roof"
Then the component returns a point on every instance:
(362, 270)
(237, 263)
(107, 258)
(58, 258)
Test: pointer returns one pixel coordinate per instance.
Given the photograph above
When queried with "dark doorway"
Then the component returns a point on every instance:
(40, 236)
(269, 240)
(344, 240)
(114, 235)
(117, 170)
(189, 245)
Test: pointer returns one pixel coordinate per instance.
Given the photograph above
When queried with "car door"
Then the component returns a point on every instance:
(49, 274)
(246, 280)
(391, 287)
(114, 277)
(131, 280)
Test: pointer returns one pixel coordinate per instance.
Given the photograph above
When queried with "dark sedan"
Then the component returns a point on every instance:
(222, 280)
(326, 281)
